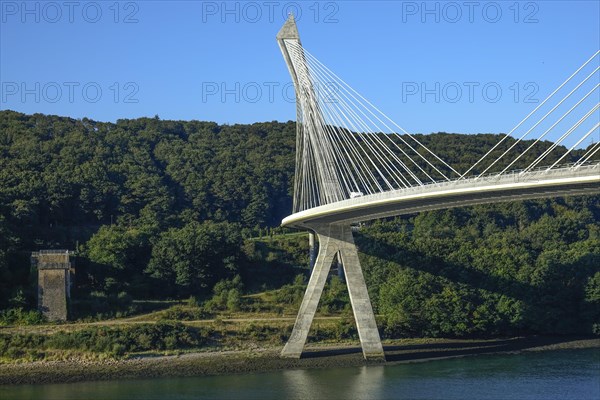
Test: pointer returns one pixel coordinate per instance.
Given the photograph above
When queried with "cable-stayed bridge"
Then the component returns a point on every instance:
(354, 164)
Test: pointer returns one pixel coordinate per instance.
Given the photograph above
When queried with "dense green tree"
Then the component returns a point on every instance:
(159, 209)
(500, 269)
(119, 255)
(117, 246)
(5, 279)
(190, 260)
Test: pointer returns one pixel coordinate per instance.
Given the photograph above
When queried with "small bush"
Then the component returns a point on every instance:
(19, 316)
(291, 294)
(233, 300)
(114, 342)
(227, 296)
(118, 350)
(184, 313)
(345, 329)
(192, 302)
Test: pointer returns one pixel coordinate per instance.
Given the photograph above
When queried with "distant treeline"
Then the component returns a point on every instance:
(164, 209)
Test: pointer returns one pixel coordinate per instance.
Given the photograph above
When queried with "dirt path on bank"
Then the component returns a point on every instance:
(53, 328)
(261, 360)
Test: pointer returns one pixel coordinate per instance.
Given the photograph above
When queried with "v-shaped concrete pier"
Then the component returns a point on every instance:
(336, 239)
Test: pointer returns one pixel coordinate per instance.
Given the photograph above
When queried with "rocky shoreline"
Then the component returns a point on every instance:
(263, 360)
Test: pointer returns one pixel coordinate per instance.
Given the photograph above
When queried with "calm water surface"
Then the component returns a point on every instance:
(564, 374)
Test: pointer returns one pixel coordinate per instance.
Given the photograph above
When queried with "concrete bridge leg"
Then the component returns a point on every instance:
(334, 239)
(312, 250)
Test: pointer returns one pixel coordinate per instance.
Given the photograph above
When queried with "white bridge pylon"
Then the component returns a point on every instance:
(353, 164)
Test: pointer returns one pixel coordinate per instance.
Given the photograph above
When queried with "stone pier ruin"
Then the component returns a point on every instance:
(54, 282)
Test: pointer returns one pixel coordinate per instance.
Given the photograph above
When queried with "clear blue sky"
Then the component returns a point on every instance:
(175, 58)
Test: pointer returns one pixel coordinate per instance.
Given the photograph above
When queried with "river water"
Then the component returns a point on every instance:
(561, 374)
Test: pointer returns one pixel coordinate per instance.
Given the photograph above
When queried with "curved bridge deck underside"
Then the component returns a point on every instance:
(465, 192)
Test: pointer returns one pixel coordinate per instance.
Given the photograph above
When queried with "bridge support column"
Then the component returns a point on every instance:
(312, 251)
(334, 239)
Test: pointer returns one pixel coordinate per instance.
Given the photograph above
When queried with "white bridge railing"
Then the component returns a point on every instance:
(461, 184)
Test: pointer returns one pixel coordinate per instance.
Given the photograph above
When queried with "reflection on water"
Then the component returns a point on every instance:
(351, 383)
(568, 375)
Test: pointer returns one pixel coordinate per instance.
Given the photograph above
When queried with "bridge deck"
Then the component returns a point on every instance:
(489, 189)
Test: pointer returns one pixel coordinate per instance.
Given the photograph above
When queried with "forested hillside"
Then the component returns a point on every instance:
(165, 209)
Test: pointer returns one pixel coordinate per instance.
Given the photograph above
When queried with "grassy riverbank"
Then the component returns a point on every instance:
(267, 359)
(187, 339)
